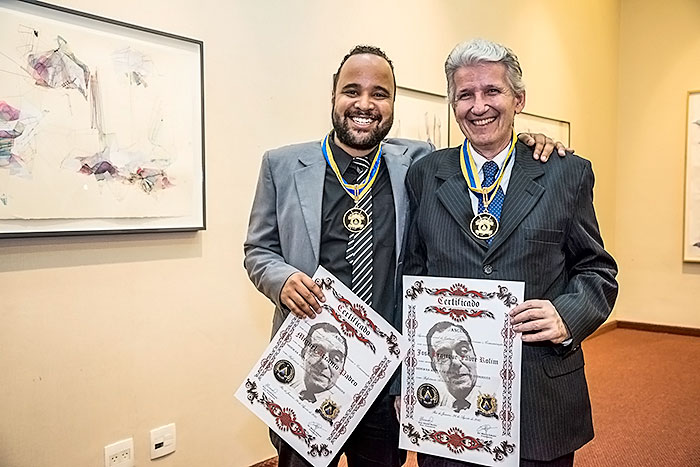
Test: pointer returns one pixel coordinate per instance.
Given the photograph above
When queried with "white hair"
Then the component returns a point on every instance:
(477, 51)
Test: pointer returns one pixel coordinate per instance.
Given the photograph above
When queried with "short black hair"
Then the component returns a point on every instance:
(440, 327)
(328, 327)
(364, 49)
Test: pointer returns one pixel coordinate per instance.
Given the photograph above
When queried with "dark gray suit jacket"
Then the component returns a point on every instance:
(284, 232)
(549, 239)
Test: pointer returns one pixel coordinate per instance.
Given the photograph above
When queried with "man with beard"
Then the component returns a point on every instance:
(308, 212)
(452, 357)
(324, 355)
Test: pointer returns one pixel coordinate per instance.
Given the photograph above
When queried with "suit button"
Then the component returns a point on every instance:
(488, 269)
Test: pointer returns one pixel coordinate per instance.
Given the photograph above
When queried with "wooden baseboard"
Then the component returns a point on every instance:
(271, 462)
(659, 328)
(607, 327)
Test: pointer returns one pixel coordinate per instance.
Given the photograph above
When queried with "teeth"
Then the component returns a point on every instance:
(362, 120)
(484, 121)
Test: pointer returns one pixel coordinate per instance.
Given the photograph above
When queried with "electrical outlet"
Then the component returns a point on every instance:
(120, 454)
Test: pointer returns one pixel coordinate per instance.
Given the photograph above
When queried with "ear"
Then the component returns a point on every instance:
(334, 82)
(520, 102)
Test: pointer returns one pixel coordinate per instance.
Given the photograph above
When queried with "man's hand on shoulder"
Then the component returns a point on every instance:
(543, 146)
(538, 321)
(301, 295)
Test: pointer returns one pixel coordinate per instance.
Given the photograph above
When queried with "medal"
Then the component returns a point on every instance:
(484, 225)
(354, 219)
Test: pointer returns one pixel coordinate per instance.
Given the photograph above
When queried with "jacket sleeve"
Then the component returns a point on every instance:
(591, 289)
(264, 259)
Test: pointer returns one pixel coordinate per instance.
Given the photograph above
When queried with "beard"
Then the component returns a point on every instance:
(366, 141)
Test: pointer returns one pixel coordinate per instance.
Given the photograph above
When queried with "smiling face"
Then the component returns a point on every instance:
(453, 357)
(363, 103)
(324, 360)
(485, 106)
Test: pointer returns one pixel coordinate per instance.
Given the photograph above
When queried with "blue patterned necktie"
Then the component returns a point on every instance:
(490, 170)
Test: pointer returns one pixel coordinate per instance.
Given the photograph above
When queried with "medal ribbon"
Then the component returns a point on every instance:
(471, 174)
(355, 190)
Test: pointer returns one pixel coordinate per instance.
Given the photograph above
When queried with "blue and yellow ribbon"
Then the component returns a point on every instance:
(471, 174)
(355, 190)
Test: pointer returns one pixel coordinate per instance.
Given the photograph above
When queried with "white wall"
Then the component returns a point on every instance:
(659, 64)
(103, 338)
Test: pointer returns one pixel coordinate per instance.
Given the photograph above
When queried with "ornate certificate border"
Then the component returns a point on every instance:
(479, 301)
(317, 425)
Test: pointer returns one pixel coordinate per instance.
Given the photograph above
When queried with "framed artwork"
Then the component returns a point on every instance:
(691, 237)
(422, 116)
(558, 130)
(101, 125)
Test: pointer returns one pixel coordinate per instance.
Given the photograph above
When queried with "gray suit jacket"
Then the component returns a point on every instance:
(284, 232)
(548, 238)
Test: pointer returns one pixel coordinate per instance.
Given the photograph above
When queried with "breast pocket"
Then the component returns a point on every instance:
(544, 235)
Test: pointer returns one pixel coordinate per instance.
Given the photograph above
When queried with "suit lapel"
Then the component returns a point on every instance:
(309, 182)
(454, 194)
(522, 195)
(397, 163)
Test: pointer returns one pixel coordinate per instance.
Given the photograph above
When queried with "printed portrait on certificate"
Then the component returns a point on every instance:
(318, 377)
(461, 373)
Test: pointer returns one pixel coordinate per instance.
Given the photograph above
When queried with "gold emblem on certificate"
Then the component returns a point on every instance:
(329, 410)
(428, 396)
(460, 384)
(484, 225)
(284, 371)
(355, 219)
(486, 405)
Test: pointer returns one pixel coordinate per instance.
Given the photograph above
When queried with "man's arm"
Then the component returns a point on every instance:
(282, 283)
(591, 289)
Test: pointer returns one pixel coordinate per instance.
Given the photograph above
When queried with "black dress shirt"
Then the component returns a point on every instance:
(334, 235)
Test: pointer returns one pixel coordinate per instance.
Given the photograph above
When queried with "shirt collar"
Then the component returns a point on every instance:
(342, 158)
(480, 160)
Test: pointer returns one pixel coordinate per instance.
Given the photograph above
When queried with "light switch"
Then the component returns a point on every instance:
(162, 441)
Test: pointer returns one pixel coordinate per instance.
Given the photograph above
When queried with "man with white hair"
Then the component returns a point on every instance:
(486, 211)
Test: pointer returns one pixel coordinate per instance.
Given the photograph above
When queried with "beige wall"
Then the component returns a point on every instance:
(102, 338)
(659, 63)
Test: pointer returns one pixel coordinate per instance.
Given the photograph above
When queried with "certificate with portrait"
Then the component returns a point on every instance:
(461, 374)
(318, 377)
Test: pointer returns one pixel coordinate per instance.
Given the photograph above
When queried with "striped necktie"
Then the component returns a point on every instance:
(359, 250)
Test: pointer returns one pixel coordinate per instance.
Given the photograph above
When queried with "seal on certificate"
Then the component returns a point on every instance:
(428, 395)
(329, 410)
(284, 371)
(486, 405)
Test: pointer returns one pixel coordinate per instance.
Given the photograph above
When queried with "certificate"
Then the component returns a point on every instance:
(318, 377)
(461, 374)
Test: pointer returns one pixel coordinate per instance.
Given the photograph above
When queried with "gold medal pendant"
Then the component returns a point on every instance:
(484, 225)
(355, 219)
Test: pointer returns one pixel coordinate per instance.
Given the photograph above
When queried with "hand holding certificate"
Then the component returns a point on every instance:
(461, 374)
(319, 376)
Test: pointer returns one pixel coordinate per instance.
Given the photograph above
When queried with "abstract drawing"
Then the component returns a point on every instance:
(558, 130)
(101, 125)
(422, 116)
